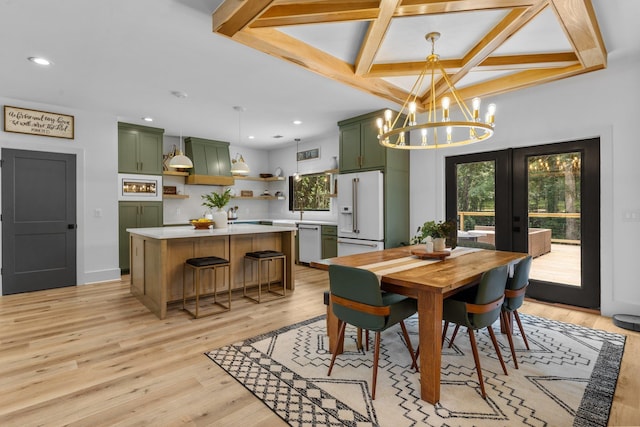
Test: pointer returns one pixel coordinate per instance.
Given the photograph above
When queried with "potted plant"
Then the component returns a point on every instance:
(219, 201)
(436, 232)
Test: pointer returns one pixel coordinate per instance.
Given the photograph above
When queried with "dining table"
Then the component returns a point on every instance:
(409, 271)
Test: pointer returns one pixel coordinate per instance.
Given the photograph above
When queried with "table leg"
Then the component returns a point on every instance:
(430, 332)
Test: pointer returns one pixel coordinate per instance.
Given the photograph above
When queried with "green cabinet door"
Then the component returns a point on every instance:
(372, 154)
(135, 215)
(127, 152)
(350, 147)
(209, 157)
(150, 153)
(139, 149)
(329, 239)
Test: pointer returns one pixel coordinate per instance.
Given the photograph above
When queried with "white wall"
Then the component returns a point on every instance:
(603, 103)
(96, 149)
(285, 158)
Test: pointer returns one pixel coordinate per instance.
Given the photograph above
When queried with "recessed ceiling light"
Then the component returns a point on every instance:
(297, 122)
(179, 94)
(147, 119)
(39, 60)
(252, 137)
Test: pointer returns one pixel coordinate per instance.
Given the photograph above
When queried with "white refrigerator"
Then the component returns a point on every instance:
(360, 212)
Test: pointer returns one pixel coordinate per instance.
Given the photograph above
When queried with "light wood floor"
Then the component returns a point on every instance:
(92, 355)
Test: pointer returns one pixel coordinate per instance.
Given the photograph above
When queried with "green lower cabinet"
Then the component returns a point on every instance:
(329, 238)
(135, 215)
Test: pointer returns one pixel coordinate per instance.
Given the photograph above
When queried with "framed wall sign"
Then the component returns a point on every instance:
(34, 122)
(314, 153)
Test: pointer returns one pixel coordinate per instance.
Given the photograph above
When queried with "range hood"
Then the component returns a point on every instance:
(211, 162)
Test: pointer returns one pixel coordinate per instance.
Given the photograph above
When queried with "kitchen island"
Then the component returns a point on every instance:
(158, 255)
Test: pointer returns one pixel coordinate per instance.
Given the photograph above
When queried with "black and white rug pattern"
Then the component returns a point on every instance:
(567, 378)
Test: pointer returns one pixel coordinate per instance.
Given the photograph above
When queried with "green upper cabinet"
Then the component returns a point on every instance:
(139, 149)
(209, 157)
(359, 146)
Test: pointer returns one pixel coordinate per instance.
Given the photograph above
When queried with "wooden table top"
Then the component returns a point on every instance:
(440, 277)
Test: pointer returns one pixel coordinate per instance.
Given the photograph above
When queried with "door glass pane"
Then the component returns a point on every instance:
(476, 191)
(554, 217)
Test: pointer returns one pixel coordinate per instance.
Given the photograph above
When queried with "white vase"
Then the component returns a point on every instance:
(220, 219)
(439, 244)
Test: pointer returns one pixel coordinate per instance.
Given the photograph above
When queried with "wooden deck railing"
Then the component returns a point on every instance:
(567, 215)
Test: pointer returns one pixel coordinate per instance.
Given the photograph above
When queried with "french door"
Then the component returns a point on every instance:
(542, 200)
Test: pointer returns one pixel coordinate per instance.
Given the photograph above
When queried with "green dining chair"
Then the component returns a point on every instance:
(478, 307)
(356, 299)
(513, 299)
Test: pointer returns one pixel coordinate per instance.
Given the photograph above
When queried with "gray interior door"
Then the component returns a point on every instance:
(38, 220)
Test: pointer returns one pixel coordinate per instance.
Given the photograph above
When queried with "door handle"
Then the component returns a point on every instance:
(72, 226)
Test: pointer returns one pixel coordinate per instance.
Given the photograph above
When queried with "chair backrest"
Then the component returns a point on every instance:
(491, 288)
(519, 280)
(360, 286)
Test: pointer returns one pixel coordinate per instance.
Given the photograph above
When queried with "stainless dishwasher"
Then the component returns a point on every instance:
(310, 243)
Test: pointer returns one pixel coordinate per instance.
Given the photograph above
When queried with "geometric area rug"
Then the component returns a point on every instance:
(567, 378)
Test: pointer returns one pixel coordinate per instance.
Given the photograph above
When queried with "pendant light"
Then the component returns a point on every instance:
(296, 176)
(238, 165)
(180, 160)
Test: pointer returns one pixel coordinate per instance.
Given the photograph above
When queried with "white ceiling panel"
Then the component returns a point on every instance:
(459, 33)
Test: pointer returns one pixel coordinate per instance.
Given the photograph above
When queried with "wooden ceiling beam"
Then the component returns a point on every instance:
(301, 13)
(493, 63)
(235, 15)
(375, 35)
(283, 46)
(426, 7)
(519, 80)
(578, 19)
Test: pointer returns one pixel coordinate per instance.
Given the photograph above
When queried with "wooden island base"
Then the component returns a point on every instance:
(158, 255)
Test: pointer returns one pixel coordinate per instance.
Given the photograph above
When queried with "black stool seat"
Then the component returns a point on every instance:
(205, 261)
(263, 254)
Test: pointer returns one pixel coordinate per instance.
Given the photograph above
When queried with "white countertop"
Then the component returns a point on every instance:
(177, 232)
(275, 222)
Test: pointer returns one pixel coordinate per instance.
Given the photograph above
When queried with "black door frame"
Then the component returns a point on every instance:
(511, 212)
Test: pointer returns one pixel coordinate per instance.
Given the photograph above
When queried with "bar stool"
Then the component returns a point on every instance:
(198, 265)
(261, 257)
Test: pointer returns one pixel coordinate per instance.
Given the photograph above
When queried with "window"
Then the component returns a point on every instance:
(310, 193)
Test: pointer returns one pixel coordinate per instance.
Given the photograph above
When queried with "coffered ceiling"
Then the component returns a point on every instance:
(488, 47)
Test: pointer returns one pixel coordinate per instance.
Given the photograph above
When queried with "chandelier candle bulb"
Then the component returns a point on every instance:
(448, 134)
(445, 109)
(476, 109)
(424, 136)
(491, 112)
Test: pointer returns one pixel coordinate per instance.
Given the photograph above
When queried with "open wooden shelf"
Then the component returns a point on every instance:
(257, 178)
(175, 196)
(258, 197)
(175, 173)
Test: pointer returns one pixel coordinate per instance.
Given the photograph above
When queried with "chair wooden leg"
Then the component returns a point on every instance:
(453, 336)
(498, 352)
(444, 330)
(476, 358)
(524, 337)
(503, 316)
(414, 363)
(376, 357)
(343, 326)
